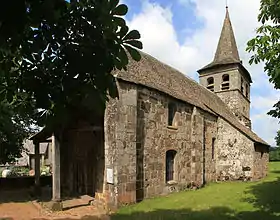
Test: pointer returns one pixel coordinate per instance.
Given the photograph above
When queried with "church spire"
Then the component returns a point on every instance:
(227, 52)
(227, 49)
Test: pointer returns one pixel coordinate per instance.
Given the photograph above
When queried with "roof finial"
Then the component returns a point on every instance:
(226, 4)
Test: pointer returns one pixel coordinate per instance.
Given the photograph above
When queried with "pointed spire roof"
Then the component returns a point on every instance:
(227, 52)
(227, 49)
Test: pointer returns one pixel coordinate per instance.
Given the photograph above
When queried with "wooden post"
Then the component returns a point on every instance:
(56, 197)
(37, 167)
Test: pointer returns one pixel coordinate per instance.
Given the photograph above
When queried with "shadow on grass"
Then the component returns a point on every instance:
(216, 213)
(276, 171)
(266, 196)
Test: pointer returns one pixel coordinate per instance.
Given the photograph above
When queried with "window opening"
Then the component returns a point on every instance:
(210, 84)
(247, 91)
(171, 113)
(170, 161)
(213, 148)
(225, 83)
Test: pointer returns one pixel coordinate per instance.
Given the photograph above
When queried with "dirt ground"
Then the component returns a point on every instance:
(16, 205)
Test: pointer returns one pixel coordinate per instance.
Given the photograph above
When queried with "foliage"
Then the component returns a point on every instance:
(19, 171)
(274, 154)
(277, 138)
(14, 128)
(45, 170)
(217, 201)
(266, 46)
(58, 56)
(56, 63)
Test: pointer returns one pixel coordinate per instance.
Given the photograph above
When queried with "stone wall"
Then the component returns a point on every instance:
(190, 136)
(155, 138)
(235, 153)
(237, 103)
(233, 97)
(261, 159)
(210, 147)
(137, 137)
(108, 196)
(217, 74)
(120, 148)
(126, 144)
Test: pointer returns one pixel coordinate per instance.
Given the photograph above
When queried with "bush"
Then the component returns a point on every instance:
(274, 154)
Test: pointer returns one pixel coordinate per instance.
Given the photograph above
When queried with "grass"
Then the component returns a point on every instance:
(217, 201)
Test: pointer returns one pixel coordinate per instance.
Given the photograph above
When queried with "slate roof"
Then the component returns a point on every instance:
(154, 74)
(227, 52)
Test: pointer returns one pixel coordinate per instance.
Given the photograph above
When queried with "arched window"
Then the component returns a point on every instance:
(225, 82)
(170, 161)
(210, 84)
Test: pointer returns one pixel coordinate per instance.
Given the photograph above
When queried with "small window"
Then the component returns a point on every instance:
(171, 113)
(170, 161)
(213, 148)
(210, 84)
(247, 90)
(241, 86)
(225, 82)
(225, 78)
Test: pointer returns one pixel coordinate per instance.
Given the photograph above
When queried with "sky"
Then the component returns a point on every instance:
(184, 34)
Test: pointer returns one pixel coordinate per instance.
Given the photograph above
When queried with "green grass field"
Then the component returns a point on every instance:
(217, 201)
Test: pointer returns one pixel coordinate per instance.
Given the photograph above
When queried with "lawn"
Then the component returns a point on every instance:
(217, 201)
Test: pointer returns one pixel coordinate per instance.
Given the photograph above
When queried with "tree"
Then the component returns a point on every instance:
(61, 54)
(13, 130)
(266, 45)
(58, 56)
(274, 154)
(277, 139)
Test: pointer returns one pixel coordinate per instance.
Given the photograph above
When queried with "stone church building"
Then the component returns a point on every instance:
(166, 131)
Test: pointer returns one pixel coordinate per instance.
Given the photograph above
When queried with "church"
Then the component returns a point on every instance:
(166, 132)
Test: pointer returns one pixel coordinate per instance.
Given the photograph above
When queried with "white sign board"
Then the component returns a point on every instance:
(110, 176)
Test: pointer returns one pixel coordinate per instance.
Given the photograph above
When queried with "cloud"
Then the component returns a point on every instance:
(160, 39)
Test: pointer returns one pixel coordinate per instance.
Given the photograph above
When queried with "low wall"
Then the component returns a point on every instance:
(23, 182)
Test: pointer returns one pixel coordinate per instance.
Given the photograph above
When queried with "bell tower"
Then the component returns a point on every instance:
(227, 77)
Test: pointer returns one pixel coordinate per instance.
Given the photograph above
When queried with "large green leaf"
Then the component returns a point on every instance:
(120, 10)
(113, 4)
(123, 57)
(119, 21)
(132, 35)
(135, 43)
(123, 31)
(133, 52)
